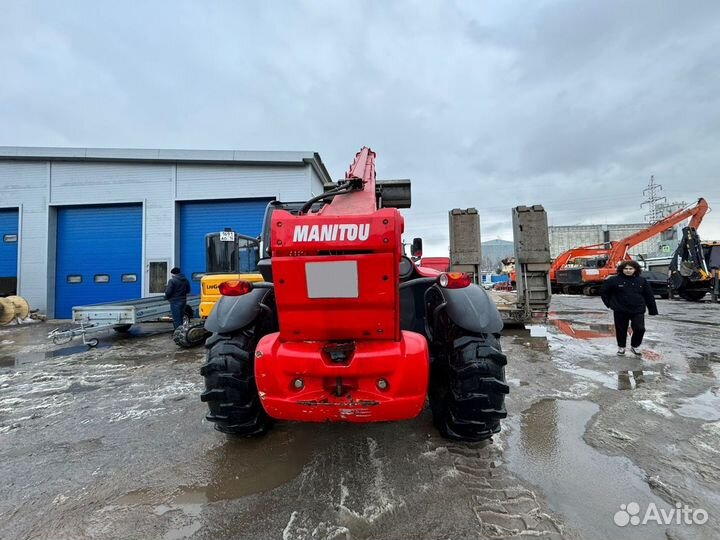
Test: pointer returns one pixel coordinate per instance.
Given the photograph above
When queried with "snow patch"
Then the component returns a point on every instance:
(134, 414)
(606, 379)
(299, 528)
(435, 454)
(450, 472)
(579, 389)
(381, 495)
(653, 407)
(537, 331)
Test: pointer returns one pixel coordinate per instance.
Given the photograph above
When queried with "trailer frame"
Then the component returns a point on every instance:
(122, 314)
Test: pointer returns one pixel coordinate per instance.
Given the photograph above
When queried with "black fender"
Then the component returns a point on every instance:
(235, 312)
(472, 309)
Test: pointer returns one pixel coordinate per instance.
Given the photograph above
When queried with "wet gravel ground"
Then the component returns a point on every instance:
(112, 443)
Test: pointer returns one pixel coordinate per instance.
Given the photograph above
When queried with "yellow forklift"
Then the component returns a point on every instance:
(229, 256)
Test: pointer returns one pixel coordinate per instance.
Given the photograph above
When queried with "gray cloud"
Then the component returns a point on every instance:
(569, 104)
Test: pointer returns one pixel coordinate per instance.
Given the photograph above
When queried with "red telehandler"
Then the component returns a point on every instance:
(584, 269)
(345, 328)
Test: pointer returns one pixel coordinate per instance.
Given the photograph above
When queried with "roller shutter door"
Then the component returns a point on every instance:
(199, 218)
(99, 256)
(8, 251)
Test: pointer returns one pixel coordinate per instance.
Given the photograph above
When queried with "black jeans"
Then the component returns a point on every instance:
(636, 321)
(177, 309)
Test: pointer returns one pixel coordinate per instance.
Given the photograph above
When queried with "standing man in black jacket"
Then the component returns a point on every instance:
(176, 293)
(629, 295)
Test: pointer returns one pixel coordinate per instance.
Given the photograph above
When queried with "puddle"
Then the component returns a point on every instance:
(579, 330)
(29, 358)
(580, 483)
(706, 406)
(694, 321)
(241, 467)
(590, 312)
(187, 356)
(77, 349)
(704, 364)
(529, 338)
(607, 379)
(627, 380)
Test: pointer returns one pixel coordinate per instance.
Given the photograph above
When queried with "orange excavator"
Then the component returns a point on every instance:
(583, 269)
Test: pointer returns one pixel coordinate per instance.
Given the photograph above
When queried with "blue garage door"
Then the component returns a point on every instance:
(99, 256)
(199, 218)
(8, 251)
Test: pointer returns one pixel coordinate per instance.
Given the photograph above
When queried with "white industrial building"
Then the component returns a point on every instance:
(566, 237)
(88, 225)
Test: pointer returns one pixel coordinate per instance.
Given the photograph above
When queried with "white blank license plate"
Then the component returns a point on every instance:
(332, 279)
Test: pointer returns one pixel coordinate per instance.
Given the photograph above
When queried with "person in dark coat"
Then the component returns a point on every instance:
(176, 293)
(629, 295)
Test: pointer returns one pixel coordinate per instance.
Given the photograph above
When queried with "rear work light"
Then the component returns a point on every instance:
(454, 280)
(235, 287)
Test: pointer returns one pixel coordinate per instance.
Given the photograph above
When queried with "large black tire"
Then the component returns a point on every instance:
(230, 389)
(467, 389)
(591, 290)
(692, 296)
(190, 335)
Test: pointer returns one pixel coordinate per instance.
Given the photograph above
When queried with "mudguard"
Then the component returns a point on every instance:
(234, 312)
(472, 309)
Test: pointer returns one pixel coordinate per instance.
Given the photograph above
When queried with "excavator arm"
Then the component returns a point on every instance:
(585, 251)
(588, 279)
(620, 248)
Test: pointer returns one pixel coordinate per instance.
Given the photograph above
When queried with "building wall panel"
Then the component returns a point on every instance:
(287, 183)
(24, 185)
(52, 179)
(93, 183)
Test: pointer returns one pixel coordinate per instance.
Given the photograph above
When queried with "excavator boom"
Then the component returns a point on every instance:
(696, 213)
(588, 280)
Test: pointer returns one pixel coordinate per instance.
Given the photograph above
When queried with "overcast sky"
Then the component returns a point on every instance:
(572, 105)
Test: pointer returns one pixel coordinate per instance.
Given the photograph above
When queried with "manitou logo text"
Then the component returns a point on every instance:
(332, 233)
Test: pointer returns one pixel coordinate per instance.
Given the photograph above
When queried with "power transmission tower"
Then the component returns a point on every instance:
(654, 201)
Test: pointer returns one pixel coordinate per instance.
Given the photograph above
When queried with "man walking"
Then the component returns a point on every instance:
(176, 293)
(629, 295)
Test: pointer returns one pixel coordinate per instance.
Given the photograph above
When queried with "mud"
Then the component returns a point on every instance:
(579, 481)
(112, 443)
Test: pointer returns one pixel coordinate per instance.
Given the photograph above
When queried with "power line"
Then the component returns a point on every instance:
(654, 200)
